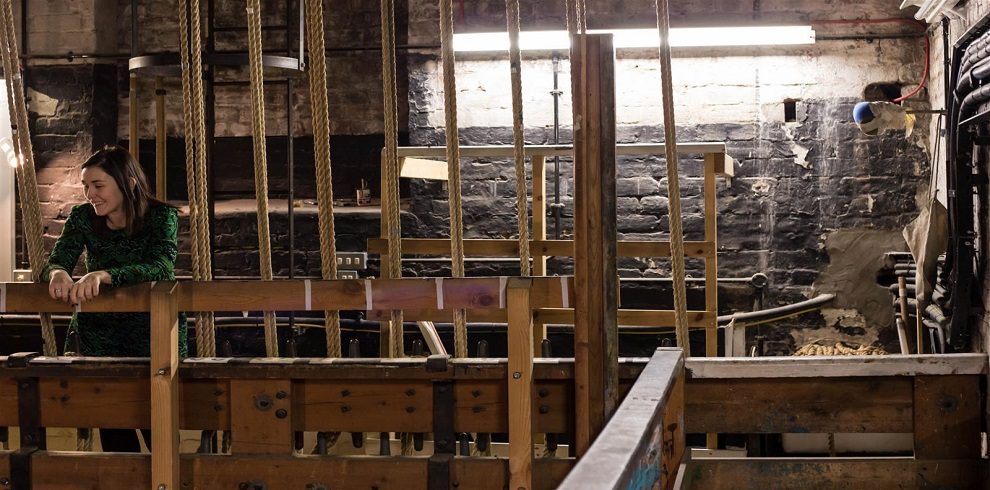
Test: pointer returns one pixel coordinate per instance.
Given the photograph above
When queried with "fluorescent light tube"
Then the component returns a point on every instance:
(643, 38)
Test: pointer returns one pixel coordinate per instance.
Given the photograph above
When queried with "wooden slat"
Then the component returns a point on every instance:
(721, 163)
(478, 247)
(93, 402)
(947, 417)
(750, 406)
(711, 259)
(8, 402)
(85, 471)
(520, 382)
(204, 404)
(596, 281)
(33, 298)
(642, 445)
(761, 473)
(837, 366)
(261, 416)
(640, 318)
(364, 406)
(490, 473)
(560, 150)
(539, 212)
(164, 373)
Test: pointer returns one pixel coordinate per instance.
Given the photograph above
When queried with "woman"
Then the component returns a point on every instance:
(129, 237)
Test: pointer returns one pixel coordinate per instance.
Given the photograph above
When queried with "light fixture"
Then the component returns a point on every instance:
(642, 38)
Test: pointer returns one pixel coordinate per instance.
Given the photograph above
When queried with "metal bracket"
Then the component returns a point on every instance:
(20, 359)
(438, 472)
(437, 363)
(444, 438)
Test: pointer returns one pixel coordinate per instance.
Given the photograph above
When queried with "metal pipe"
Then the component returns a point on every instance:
(556, 141)
(764, 316)
(291, 163)
(210, 116)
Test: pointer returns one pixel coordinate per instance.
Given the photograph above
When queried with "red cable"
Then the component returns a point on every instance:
(924, 76)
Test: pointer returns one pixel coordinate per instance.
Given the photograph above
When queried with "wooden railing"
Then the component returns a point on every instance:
(263, 402)
(642, 446)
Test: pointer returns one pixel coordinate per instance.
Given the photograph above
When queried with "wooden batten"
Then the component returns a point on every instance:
(478, 247)
(561, 150)
(421, 168)
(164, 374)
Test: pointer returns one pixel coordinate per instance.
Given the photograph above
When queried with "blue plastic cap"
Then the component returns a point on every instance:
(862, 113)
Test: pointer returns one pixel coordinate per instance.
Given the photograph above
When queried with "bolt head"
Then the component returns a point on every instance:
(516, 375)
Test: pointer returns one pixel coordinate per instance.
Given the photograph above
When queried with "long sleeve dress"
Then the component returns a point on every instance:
(148, 255)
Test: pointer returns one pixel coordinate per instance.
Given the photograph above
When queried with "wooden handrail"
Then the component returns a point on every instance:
(560, 150)
(643, 443)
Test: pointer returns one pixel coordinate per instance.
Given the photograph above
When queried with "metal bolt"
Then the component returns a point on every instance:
(516, 375)
(544, 409)
(544, 392)
(161, 486)
(410, 409)
(410, 392)
(4, 481)
(281, 413)
(476, 393)
(244, 485)
(281, 395)
(345, 393)
(163, 371)
(345, 408)
(217, 407)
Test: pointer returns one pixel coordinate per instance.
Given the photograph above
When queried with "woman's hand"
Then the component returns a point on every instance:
(59, 285)
(88, 286)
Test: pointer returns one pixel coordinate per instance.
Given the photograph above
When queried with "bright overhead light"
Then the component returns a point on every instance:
(643, 38)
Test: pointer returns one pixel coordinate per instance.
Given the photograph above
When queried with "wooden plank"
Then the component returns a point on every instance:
(539, 212)
(364, 406)
(641, 447)
(205, 404)
(23, 297)
(519, 379)
(483, 406)
(8, 402)
(782, 405)
(640, 318)
(164, 373)
(305, 471)
(483, 247)
(261, 416)
(5, 466)
(947, 417)
(837, 366)
(760, 473)
(94, 402)
(86, 471)
(421, 168)
(561, 150)
(721, 163)
(490, 473)
(596, 281)
(711, 258)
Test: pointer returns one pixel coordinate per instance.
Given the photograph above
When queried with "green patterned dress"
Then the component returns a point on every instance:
(149, 255)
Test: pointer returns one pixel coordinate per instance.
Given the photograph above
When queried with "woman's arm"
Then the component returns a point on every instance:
(159, 263)
(69, 245)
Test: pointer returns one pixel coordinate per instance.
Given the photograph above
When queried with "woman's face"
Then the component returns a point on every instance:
(102, 191)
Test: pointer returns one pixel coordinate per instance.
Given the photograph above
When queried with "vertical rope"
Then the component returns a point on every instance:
(27, 182)
(390, 195)
(195, 143)
(673, 184)
(321, 147)
(453, 167)
(260, 162)
(518, 138)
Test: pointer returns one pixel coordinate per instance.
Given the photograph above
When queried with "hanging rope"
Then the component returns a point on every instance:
(453, 167)
(260, 162)
(321, 147)
(518, 138)
(195, 142)
(27, 182)
(673, 184)
(390, 194)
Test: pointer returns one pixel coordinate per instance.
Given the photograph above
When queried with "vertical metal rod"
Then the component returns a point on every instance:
(25, 262)
(556, 141)
(292, 190)
(132, 106)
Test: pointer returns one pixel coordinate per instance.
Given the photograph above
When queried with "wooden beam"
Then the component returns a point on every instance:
(539, 212)
(837, 366)
(260, 419)
(711, 258)
(640, 318)
(721, 163)
(164, 373)
(8, 402)
(479, 247)
(782, 405)
(84, 470)
(947, 417)
(642, 446)
(596, 280)
(519, 379)
(561, 150)
(421, 168)
(760, 473)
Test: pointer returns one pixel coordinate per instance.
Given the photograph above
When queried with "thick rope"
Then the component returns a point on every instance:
(27, 182)
(321, 147)
(195, 130)
(390, 195)
(518, 138)
(825, 347)
(453, 167)
(673, 184)
(260, 162)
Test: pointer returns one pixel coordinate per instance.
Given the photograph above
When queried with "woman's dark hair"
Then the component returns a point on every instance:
(122, 167)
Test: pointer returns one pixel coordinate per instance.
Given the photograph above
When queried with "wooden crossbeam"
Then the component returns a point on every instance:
(560, 150)
(549, 248)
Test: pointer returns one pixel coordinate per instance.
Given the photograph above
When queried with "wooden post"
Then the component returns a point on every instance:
(947, 417)
(711, 257)
(165, 385)
(132, 118)
(520, 380)
(160, 139)
(539, 233)
(595, 330)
